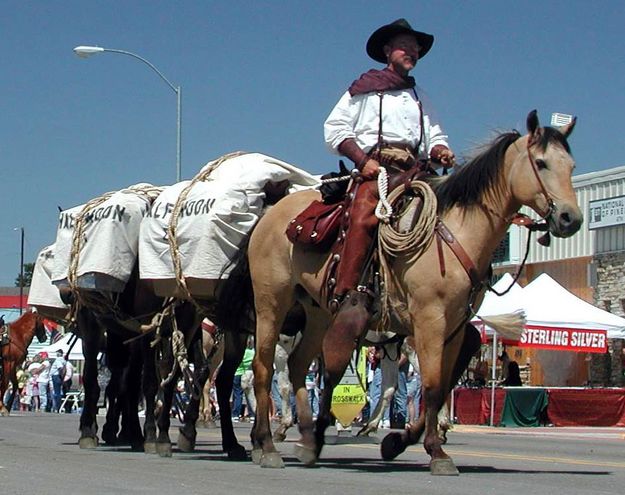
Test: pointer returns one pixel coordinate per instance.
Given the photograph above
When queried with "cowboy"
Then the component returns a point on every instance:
(383, 120)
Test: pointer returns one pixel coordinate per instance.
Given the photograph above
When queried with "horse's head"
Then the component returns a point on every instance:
(40, 329)
(540, 176)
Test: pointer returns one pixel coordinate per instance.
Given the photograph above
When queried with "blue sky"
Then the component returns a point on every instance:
(262, 76)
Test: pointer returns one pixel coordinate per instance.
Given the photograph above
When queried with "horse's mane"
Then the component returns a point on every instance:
(468, 183)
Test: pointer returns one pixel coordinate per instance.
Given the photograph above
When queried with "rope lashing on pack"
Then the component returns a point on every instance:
(173, 223)
(78, 236)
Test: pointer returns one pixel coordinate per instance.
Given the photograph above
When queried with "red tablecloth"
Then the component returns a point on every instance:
(472, 405)
(586, 407)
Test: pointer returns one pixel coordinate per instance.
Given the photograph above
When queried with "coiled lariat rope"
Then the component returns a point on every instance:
(410, 244)
(78, 239)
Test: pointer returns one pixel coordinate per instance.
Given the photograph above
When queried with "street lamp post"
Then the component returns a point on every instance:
(21, 229)
(87, 51)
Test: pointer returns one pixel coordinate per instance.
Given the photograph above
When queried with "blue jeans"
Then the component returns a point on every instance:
(237, 397)
(313, 400)
(375, 390)
(57, 394)
(43, 395)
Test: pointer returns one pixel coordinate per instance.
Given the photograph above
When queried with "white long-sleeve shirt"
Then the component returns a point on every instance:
(357, 117)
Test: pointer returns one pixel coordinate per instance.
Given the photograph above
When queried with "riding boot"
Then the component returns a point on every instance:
(359, 229)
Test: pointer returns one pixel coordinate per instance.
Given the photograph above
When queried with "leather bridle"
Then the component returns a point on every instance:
(550, 204)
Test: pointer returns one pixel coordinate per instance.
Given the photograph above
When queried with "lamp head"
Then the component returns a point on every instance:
(86, 51)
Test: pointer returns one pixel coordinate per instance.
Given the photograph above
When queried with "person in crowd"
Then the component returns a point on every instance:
(57, 375)
(32, 385)
(505, 361)
(480, 371)
(67, 382)
(397, 407)
(244, 384)
(22, 399)
(383, 120)
(514, 375)
(43, 382)
(312, 387)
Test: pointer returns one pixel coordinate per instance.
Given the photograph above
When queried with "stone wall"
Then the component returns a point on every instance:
(609, 294)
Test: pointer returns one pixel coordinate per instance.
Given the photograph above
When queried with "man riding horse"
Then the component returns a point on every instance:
(383, 120)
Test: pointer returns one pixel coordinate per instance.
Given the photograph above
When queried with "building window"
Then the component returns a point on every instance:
(502, 253)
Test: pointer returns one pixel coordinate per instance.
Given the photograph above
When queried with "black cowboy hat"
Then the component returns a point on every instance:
(375, 45)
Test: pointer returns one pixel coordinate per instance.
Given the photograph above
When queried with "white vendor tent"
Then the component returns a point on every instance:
(63, 344)
(508, 303)
(549, 304)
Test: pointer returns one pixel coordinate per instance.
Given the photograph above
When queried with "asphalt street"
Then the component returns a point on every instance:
(39, 454)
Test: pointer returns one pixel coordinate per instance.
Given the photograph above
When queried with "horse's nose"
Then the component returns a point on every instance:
(569, 221)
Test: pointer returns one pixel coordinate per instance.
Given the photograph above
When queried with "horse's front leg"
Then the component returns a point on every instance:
(4, 385)
(9, 406)
(395, 443)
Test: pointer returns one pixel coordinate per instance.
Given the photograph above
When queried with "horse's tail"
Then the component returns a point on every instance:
(510, 325)
(235, 308)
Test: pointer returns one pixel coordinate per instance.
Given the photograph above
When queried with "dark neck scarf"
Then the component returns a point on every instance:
(380, 80)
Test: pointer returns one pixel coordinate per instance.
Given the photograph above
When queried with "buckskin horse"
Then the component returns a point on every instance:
(20, 334)
(428, 295)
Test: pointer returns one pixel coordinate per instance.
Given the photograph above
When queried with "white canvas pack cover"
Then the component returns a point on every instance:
(43, 294)
(215, 218)
(109, 244)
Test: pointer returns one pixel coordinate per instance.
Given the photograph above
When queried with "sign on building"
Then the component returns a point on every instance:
(606, 212)
(564, 339)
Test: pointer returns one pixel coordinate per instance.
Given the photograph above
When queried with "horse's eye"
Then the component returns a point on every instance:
(541, 164)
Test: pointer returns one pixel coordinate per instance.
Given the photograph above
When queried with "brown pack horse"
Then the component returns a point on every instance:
(429, 295)
(20, 334)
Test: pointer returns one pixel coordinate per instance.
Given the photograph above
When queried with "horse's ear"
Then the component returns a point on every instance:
(567, 129)
(532, 122)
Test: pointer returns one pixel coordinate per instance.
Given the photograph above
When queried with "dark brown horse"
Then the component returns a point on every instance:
(12, 354)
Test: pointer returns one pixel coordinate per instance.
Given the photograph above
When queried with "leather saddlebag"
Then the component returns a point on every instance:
(317, 226)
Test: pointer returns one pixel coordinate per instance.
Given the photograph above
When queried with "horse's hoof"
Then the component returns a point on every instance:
(207, 424)
(279, 437)
(4, 412)
(149, 447)
(392, 446)
(257, 454)
(88, 442)
(163, 449)
(443, 467)
(185, 444)
(271, 460)
(238, 453)
(306, 455)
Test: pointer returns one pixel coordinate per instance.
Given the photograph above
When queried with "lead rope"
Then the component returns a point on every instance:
(383, 210)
